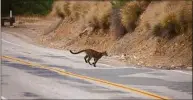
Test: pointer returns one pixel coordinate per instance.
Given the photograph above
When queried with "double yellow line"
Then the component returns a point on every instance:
(66, 73)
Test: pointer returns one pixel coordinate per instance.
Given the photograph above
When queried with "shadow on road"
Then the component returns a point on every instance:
(107, 75)
(64, 58)
(41, 72)
(30, 59)
(59, 57)
(29, 94)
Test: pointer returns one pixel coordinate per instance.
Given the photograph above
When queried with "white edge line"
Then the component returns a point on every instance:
(182, 72)
(54, 52)
(100, 63)
(3, 98)
(106, 64)
(11, 43)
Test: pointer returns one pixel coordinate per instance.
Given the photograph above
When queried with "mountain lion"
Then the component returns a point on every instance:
(91, 54)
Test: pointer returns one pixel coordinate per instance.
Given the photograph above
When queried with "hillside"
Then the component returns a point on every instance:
(159, 33)
(143, 47)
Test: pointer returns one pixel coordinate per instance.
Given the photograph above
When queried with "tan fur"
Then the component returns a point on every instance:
(91, 54)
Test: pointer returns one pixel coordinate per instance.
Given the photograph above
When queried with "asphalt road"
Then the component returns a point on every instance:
(21, 80)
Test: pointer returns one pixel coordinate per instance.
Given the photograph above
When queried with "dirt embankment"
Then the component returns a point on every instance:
(140, 47)
(145, 48)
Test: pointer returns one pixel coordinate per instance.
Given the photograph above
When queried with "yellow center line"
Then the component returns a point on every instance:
(66, 73)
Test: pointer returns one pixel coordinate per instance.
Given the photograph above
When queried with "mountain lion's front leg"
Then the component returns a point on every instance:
(95, 61)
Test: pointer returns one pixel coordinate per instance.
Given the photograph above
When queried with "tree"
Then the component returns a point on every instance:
(27, 7)
(5, 7)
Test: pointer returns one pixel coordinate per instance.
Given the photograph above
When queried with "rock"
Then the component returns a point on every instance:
(134, 57)
(123, 56)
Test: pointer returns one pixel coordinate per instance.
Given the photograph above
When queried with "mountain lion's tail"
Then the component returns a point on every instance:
(76, 52)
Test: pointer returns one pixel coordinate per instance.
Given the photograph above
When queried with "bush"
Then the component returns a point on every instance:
(61, 9)
(104, 17)
(104, 21)
(59, 13)
(93, 21)
(130, 14)
(176, 20)
(78, 9)
(89, 12)
(118, 3)
(75, 10)
(72, 9)
(157, 29)
(99, 18)
(169, 26)
(66, 9)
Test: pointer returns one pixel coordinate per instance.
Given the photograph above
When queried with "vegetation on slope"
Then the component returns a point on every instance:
(110, 15)
(163, 36)
(150, 33)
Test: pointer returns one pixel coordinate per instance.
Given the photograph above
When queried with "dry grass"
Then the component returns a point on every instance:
(96, 14)
(169, 26)
(157, 29)
(131, 12)
(104, 17)
(140, 47)
(70, 9)
(60, 9)
(173, 22)
(78, 9)
(185, 17)
(99, 15)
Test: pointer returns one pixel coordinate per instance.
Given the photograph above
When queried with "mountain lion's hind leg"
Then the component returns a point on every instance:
(89, 58)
